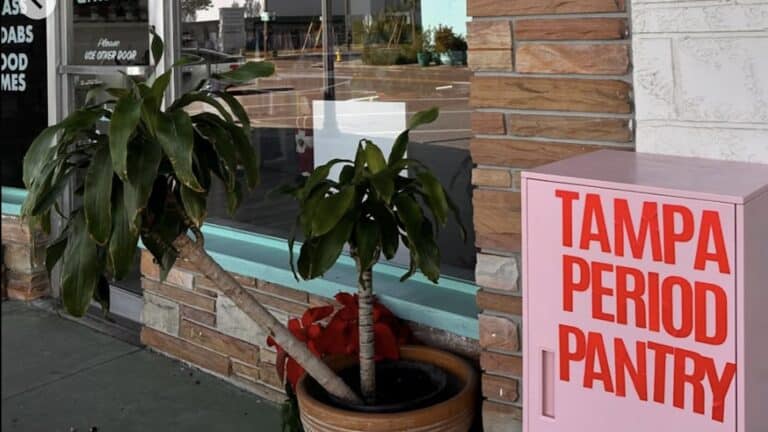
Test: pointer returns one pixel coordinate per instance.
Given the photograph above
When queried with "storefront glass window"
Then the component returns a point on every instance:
(308, 113)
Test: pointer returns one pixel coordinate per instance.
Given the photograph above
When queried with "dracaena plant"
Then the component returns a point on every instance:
(148, 177)
(374, 206)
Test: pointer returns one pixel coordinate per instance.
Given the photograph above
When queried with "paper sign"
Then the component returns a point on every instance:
(340, 125)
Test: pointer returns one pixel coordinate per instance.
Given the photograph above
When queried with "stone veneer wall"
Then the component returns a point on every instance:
(701, 78)
(185, 317)
(551, 80)
(24, 276)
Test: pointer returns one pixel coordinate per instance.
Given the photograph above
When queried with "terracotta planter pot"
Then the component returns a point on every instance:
(452, 415)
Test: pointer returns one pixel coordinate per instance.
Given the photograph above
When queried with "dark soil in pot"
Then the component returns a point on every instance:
(400, 385)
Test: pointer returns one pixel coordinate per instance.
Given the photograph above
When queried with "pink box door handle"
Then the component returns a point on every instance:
(548, 384)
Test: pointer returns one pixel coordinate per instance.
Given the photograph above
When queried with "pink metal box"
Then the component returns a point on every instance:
(645, 289)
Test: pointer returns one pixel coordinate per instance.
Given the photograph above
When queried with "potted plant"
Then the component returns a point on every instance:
(443, 43)
(374, 207)
(159, 195)
(458, 51)
(451, 47)
(423, 43)
(148, 177)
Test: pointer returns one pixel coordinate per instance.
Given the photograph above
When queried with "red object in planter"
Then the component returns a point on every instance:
(340, 335)
(644, 295)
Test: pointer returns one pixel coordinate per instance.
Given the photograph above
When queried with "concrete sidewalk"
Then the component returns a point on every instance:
(58, 375)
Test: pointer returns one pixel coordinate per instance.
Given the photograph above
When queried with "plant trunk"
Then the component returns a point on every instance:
(315, 367)
(366, 333)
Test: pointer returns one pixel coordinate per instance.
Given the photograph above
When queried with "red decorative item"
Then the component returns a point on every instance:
(339, 334)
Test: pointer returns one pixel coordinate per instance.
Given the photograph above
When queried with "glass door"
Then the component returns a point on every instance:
(107, 42)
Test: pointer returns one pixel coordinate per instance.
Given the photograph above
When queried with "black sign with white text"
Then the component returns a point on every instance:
(23, 86)
(110, 33)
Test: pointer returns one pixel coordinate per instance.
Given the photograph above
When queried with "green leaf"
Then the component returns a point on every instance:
(413, 265)
(384, 184)
(143, 90)
(157, 47)
(40, 153)
(309, 206)
(367, 236)
(247, 72)
(201, 164)
(390, 236)
(319, 174)
(46, 189)
(423, 117)
(347, 175)
(420, 242)
(320, 253)
(413, 164)
(234, 198)
(124, 121)
(167, 262)
(194, 205)
(409, 213)
(82, 119)
(221, 140)
(330, 210)
(174, 132)
(429, 253)
(247, 155)
(237, 109)
(42, 221)
(399, 148)
(374, 157)
(123, 242)
(81, 268)
(457, 215)
(97, 196)
(187, 59)
(92, 93)
(143, 166)
(192, 97)
(157, 91)
(118, 92)
(435, 196)
(55, 250)
(168, 225)
(306, 255)
(163, 254)
(360, 160)
(291, 242)
(40, 188)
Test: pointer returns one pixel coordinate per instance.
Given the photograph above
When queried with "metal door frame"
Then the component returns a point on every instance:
(162, 17)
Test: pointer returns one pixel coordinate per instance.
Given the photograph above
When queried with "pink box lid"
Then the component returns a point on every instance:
(708, 179)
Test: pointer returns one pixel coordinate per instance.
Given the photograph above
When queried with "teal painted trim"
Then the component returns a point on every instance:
(445, 282)
(451, 308)
(12, 200)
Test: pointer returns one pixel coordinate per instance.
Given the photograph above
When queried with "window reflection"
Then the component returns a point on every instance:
(379, 79)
